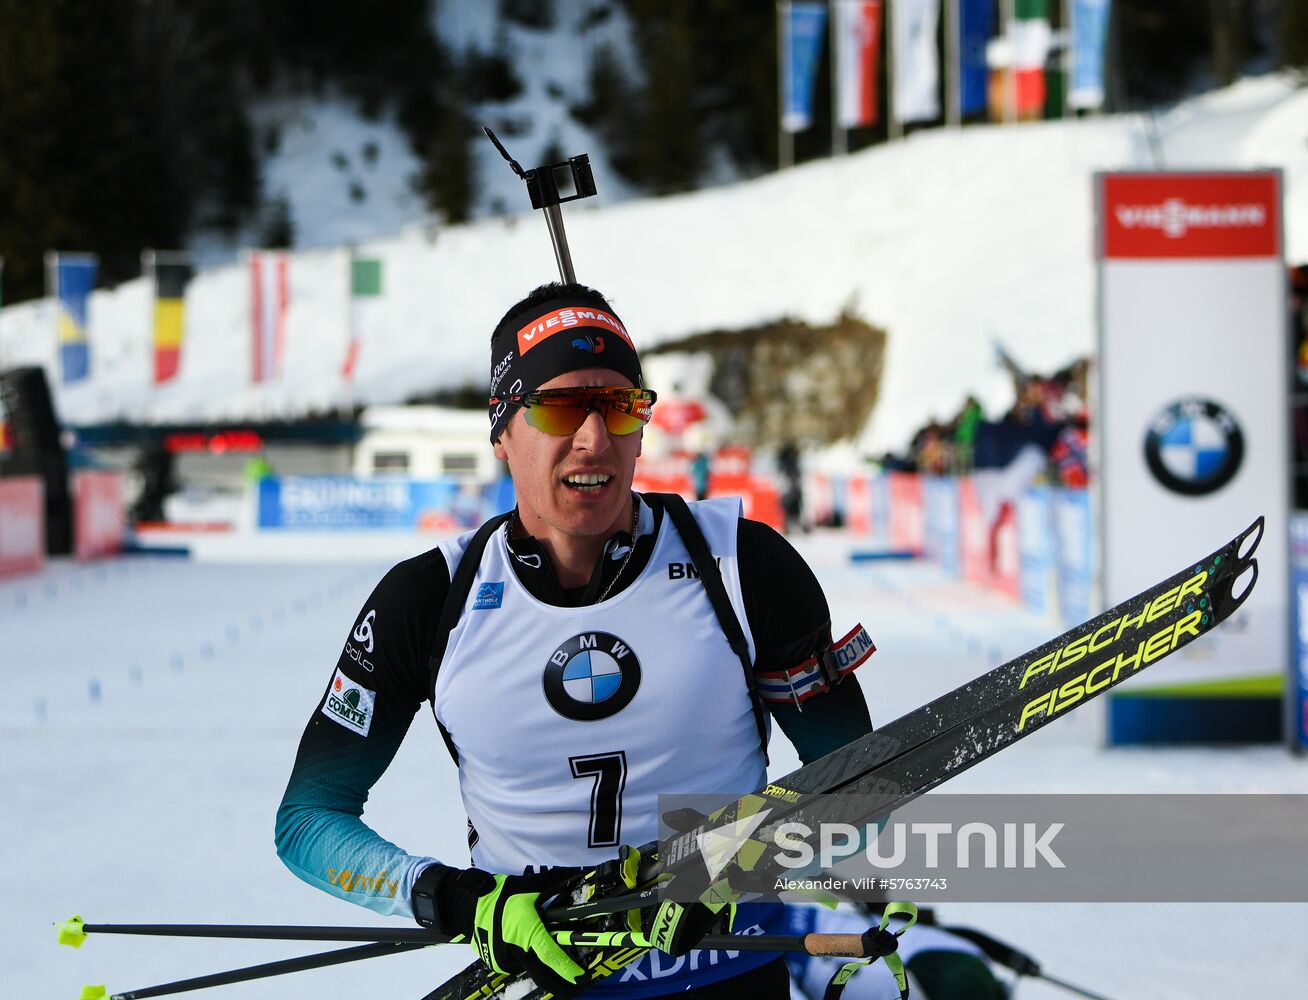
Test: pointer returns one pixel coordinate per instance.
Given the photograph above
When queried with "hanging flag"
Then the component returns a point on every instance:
(803, 26)
(975, 20)
(171, 276)
(917, 67)
(365, 308)
(1089, 32)
(858, 48)
(1031, 40)
(270, 295)
(71, 278)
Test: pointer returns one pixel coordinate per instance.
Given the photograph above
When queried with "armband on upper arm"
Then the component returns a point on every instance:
(820, 672)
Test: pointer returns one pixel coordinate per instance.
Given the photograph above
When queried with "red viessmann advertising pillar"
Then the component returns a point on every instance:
(1192, 431)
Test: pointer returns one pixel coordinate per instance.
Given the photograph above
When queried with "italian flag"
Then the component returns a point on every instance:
(365, 308)
(1031, 39)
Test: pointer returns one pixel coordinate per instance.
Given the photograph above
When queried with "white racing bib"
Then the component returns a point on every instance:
(570, 722)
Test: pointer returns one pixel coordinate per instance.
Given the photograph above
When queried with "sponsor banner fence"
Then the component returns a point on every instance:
(1039, 550)
(1035, 547)
(907, 512)
(940, 498)
(1006, 568)
(819, 498)
(397, 504)
(1073, 554)
(98, 517)
(22, 525)
(858, 504)
(880, 505)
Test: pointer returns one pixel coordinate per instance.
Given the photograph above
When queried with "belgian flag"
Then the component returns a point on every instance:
(171, 277)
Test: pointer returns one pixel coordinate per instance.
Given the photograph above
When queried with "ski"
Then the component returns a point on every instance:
(924, 748)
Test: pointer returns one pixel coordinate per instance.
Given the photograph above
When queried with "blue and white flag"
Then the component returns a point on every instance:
(71, 280)
(803, 26)
(917, 66)
(975, 19)
(1089, 30)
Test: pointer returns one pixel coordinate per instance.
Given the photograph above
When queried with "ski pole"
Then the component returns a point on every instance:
(74, 931)
(871, 944)
(1018, 961)
(279, 968)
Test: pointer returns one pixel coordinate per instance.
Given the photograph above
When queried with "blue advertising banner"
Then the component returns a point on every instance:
(72, 279)
(975, 18)
(803, 28)
(1298, 686)
(1073, 554)
(940, 498)
(1034, 546)
(1089, 32)
(334, 503)
(879, 495)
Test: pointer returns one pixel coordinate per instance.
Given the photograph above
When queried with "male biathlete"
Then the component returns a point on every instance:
(580, 671)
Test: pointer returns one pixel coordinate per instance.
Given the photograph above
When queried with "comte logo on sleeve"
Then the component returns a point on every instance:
(349, 704)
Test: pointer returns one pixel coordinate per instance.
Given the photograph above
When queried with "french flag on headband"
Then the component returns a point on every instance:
(858, 52)
(270, 298)
(818, 673)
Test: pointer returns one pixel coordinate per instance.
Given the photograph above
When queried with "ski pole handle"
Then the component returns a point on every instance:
(838, 946)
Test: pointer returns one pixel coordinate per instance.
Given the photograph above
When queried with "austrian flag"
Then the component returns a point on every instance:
(270, 298)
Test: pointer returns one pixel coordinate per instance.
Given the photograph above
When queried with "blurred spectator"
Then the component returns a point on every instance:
(931, 450)
(1049, 413)
(965, 426)
(157, 469)
(699, 474)
(1069, 456)
(792, 499)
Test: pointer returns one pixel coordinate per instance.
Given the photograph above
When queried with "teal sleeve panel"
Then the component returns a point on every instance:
(320, 833)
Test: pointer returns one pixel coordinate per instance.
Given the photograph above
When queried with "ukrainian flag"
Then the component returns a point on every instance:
(73, 277)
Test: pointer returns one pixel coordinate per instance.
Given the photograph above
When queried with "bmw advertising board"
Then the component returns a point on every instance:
(1191, 426)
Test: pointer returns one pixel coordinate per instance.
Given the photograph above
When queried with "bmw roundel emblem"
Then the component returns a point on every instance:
(591, 676)
(1194, 446)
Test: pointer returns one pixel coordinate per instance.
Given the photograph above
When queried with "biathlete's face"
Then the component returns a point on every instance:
(576, 485)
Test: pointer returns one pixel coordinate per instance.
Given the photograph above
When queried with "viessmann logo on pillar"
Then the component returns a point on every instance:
(1191, 215)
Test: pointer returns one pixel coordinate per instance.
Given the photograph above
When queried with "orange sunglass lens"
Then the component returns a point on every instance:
(564, 414)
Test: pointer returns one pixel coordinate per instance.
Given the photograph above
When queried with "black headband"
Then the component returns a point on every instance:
(556, 337)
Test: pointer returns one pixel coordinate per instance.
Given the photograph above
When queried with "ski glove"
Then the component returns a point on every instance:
(499, 915)
(677, 927)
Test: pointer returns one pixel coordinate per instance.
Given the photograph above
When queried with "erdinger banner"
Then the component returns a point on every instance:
(1191, 427)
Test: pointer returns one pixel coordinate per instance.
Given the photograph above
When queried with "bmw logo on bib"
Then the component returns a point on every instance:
(1194, 447)
(591, 676)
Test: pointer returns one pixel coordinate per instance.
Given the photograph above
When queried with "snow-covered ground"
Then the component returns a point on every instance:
(155, 704)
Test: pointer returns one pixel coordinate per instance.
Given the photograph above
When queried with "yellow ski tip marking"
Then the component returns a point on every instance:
(93, 993)
(71, 933)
